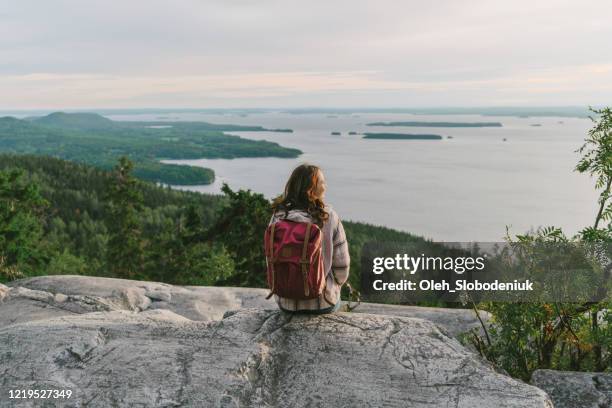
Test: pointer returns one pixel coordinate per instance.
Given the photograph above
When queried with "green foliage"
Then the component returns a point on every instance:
(83, 120)
(185, 238)
(177, 256)
(75, 232)
(173, 174)
(358, 234)
(240, 226)
(66, 263)
(20, 232)
(210, 265)
(524, 336)
(58, 217)
(125, 244)
(98, 141)
(578, 335)
(597, 161)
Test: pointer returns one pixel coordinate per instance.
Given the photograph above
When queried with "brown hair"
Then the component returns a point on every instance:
(303, 192)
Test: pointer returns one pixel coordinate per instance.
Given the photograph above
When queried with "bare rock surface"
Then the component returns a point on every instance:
(83, 294)
(452, 321)
(65, 295)
(128, 343)
(571, 389)
(251, 358)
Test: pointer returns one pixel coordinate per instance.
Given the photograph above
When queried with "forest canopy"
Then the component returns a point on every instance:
(86, 215)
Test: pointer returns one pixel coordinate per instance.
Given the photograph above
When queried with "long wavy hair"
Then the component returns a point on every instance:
(304, 191)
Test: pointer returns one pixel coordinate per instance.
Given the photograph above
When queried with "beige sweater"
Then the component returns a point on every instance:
(336, 260)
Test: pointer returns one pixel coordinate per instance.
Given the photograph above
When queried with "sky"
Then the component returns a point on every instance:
(315, 53)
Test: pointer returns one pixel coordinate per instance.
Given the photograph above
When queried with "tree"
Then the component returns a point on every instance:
(562, 335)
(597, 161)
(21, 212)
(125, 252)
(240, 226)
(177, 255)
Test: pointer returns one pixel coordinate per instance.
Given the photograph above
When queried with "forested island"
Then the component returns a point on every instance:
(438, 124)
(93, 139)
(401, 136)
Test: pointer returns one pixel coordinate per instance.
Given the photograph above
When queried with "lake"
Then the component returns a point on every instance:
(465, 188)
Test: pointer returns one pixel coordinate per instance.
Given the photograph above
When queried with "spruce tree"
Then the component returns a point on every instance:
(125, 252)
(239, 228)
(21, 211)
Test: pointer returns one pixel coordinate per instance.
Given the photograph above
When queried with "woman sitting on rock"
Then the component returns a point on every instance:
(306, 249)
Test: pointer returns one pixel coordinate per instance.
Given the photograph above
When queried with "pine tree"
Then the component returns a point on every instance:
(239, 228)
(21, 210)
(125, 251)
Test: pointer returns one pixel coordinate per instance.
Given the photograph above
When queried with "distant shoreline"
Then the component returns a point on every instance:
(517, 111)
(401, 136)
(438, 124)
(99, 141)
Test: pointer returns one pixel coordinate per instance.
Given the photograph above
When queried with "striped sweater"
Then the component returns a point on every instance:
(336, 260)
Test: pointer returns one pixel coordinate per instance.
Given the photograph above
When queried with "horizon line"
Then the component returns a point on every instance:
(272, 108)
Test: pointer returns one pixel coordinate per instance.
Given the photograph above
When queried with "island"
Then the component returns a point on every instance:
(439, 124)
(93, 139)
(401, 136)
(336, 133)
(352, 133)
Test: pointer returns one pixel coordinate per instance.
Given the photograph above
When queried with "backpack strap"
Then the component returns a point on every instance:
(354, 294)
(325, 295)
(271, 260)
(305, 261)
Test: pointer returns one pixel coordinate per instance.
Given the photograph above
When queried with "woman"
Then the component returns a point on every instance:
(302, 201)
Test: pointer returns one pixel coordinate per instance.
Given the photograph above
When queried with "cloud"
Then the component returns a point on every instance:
(258, 53)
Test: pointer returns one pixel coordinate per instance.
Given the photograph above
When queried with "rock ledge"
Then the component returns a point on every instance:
(113, 347)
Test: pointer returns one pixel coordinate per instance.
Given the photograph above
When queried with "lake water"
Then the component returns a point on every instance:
(468, 188)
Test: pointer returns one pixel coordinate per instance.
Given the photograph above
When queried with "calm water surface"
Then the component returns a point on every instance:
(466, 188)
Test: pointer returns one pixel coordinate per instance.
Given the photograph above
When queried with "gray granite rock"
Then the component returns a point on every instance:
(571, 389)
(453, 321)
(251, 358)
(81, 294)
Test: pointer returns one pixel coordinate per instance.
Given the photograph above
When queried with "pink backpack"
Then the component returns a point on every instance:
(295, 260)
